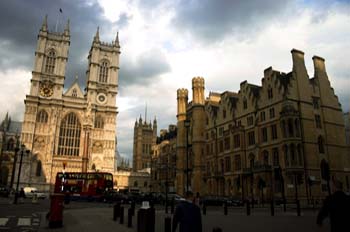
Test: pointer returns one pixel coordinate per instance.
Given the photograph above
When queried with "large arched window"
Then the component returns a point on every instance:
(69, 137)
(50, 62)
(99, 122)
(38, 168)
(320, 144)
(103, 72)
(42, 116)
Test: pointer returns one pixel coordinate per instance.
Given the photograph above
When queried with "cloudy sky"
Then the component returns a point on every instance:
(165, 43)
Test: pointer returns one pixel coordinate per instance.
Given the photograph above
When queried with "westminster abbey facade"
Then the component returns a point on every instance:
(68, 128)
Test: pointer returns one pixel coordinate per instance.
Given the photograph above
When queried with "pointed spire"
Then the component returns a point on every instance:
(116, 42)
(97, 36)
(66, 29)
(44, 26)
(155, 120)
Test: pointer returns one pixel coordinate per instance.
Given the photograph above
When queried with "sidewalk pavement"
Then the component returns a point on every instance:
(100, 219)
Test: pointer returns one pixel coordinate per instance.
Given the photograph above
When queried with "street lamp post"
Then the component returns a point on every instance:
(187, 125)
(14, 167)
(19, 173)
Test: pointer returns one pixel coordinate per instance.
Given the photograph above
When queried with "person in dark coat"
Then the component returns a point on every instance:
(337, 208)
(188, 215)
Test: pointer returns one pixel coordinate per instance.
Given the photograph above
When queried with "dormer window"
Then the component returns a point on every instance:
(103, 72)
(245, 104)
(50, 62)
(269, 93)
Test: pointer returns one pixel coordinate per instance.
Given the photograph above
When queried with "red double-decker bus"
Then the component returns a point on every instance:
(90, 184)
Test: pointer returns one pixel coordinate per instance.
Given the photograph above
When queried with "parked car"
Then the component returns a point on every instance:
(4, 191)
(31, 191)
(177, 198)
(234, 201)
(213, 200)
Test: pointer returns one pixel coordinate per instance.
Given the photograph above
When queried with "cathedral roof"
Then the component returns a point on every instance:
(77, 93)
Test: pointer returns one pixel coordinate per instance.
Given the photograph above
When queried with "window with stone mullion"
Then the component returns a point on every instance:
(69, 136)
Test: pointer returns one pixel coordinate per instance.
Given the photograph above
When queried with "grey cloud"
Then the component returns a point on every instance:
(213, 20)
(20, 22)
(146, 67)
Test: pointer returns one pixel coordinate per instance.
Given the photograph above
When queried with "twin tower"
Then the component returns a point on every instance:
(191, 121)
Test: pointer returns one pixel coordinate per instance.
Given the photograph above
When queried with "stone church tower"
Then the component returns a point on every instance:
(145, 137)
(71, 130)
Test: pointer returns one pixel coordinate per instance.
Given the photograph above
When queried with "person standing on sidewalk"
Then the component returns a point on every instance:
(337, 208)
(188, 215)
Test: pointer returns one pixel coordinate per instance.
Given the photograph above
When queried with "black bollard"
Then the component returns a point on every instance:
(284, 205)
(298, 207)
(116, 210)
(121, 215)
(172, 206)
(152, 220)
(272, 208)
(133, 208)
(225, 208)
(167, 224)
(248, 208)
(130, 217)
(217, 229)
(204, 209)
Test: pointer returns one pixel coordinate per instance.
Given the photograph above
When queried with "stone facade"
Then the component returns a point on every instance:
(145, 136)
(9, 139)
(127, 180)
(265, 139)
(163, 165)
(73, 130)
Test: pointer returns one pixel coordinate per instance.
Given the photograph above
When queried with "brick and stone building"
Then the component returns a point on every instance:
(163, 164)
(275, 138)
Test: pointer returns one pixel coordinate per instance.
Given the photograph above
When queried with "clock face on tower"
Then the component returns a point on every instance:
(101, 98)
(46, 89)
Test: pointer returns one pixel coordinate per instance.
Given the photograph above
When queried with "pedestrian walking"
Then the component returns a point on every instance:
(337, 208)
(21, 195)
(188, 215)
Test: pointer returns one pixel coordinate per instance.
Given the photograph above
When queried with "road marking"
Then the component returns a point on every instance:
(24, 222)
(3, 221)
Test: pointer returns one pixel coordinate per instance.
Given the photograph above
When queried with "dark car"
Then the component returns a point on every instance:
(213, 200)
(4, 191)
(234, 202)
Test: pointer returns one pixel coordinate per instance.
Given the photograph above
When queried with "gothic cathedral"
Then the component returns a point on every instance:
(67, 128)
